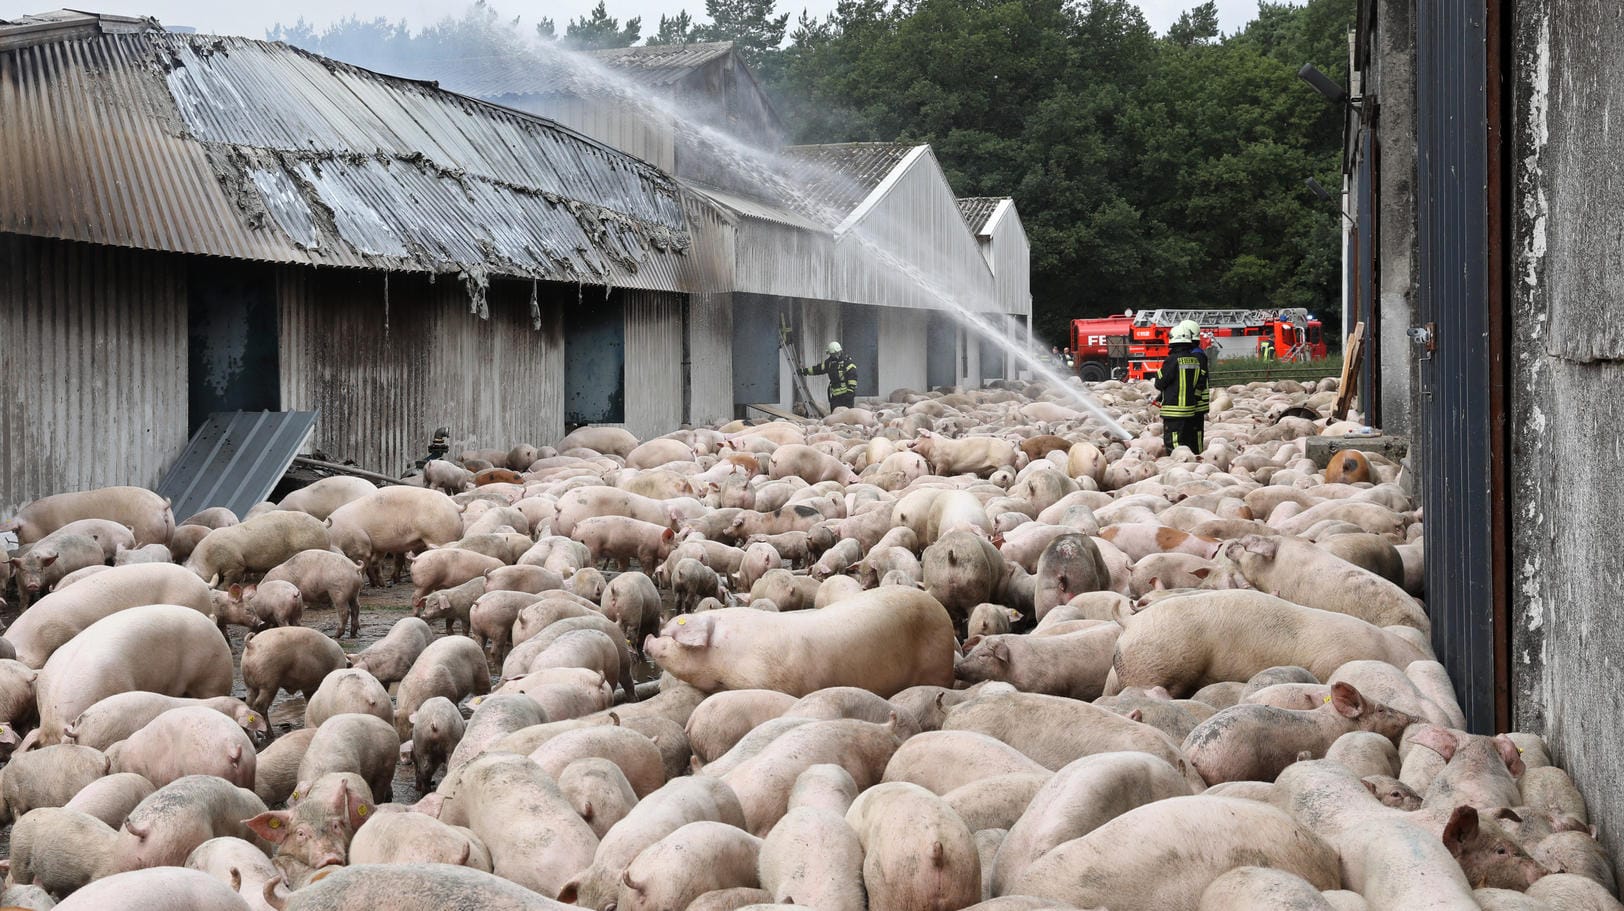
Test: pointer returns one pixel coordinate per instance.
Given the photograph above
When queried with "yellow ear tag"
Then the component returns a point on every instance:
(682, 621)
(361, 810)
(253, 720)
(1327, 698)
(295, 796)
(276, 823)
(1519, 751)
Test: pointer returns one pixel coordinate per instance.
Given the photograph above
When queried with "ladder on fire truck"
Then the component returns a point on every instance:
(1222, 319)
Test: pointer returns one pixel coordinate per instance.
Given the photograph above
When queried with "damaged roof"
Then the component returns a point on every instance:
(533, 73)
(120, 133)
(840, 176)
(979, 210)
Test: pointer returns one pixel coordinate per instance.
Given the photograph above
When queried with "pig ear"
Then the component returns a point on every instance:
(272, 825)
(570, 892)
(667, 535)
(1000, 650)
(1201, 573)
(47, 561)
(971, 643)
(1436, 739)
(1369, 786)
(356, 808)
(1510, 755)
(430, 805)
(1263, 547)
(1136, 715)
(1015, 615)
(1507, 813)
(693, 631)
(1461, 828)
(1346, 700)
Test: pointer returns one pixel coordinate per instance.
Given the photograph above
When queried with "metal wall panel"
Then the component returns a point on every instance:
(93, 366)
(654, 377)
(860, 334)
(1454, 430)
(386, 367)
(710, 358)
(756, 378)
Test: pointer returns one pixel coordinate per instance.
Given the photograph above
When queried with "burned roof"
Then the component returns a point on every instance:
(840, 176)
(663, 64)
(120, 133)
(539, 72)
(978, 210)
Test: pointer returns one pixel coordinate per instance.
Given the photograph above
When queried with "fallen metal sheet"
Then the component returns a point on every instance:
(235, 460)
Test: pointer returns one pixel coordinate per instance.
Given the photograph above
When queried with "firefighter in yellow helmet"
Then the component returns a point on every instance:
(1181, 389)
(842, 372)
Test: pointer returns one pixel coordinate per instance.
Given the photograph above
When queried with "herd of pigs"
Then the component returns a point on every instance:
(949, 650)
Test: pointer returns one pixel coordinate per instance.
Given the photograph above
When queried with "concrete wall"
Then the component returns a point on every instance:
(902, 342)
(1567, 370)
(1392, 81)
(93, 367)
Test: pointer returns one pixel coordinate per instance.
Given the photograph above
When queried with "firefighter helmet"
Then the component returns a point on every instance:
(1187, 331)
(834, 348)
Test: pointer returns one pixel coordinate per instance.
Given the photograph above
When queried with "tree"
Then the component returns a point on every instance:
(598, 29)
(678, 29)
(749, 24)
(546, 30)
(1195, 26)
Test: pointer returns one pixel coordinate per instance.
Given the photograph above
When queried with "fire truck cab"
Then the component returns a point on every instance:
(1133, 345)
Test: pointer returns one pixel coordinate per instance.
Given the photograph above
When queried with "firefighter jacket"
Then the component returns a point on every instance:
(842, 373)
(1182, 382)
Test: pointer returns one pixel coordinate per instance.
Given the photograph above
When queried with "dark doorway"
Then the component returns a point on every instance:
(232, 340)
(595, 363)
(756, 359)
(941, 350)
(860, 334)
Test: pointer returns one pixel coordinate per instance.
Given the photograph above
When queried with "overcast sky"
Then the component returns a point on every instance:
(234, 17)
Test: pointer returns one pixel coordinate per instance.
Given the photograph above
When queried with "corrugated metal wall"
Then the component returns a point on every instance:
(93, 367)
(629, 129)
(653, 362)
(710, 358)
(757, 365)
(1453, 439)
(902, 338)
(1011, 260)
(386, 370)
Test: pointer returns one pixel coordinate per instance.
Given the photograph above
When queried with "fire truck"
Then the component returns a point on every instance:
(1133, 345)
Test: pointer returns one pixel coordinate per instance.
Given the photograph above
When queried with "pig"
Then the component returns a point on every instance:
(1310, 576)
(694, 580)
(345, 691)
(622, 540)
(16, 692)
(997, 802)
(1074, 664)
(276, 771)
(156, 890)
(1392, 792)
(679, 802)
(315, 832)
(452, 604)
(1139, 540)
(164, 828)
(1069, 566)
(416, 887)
(980, 456)
(262, 606)
(587, 582)
(1575, 852)
(599, 792)
(351, 743)
(787, 591)
(112, 537)
(191, 740)
(417, 838)
(453, 667)
(112, 797)
(1246, 888)
(444, 568)
(655, 453)
(60, 616)
(1129, 861)
(808, 464)
(632, 601)
(1481, 772)
(941, 761)
(185, 540)
(391, 657)
(226, 555)
(584, 647)
(326, 577)
(764, 781)
(437, 726)
(447, 477)
(1082, 796)
(636, 755)
(151, 553)
(492, 619)
(1189, 641)
(722, 719)
(1365, 753)
(39, 569)
(494, 717)
(145, 513)
(1255, 742)
(523, 578)
(48, 777)
(1550, 788)
(61, 850)
(321, 498)
(990, 620)
(607, 440)
(398, 520)
(884, 640)
(158, 648)
(917, 853)
(238, 864)
(292, 658)
(534, 837)
(962, 570)
(664, 876)
(536, 615)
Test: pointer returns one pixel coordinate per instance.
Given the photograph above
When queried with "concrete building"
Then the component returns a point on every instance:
(191, 223)
(1516, 214)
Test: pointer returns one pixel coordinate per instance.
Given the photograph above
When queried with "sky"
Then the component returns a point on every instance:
(234, 17)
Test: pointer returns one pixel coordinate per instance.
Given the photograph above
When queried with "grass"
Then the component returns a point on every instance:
(1234, 370)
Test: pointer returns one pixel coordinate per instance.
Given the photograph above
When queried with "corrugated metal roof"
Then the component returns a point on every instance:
(750, 207)
(235, 460)
(252, 150)
(534, 73)
(978, 210)
(841, 175)
(663, 64)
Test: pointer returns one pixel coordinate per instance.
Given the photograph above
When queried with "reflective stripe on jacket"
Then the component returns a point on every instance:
(1182, 382)
(842, 373)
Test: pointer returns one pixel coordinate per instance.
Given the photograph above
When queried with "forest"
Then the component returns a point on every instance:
(1150, 170)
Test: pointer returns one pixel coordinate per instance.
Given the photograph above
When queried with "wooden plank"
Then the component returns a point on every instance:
(1350, 369)
(777, 412)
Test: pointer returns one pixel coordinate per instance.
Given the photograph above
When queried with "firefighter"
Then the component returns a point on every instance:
(1181, 388)
(842, 372)
(1266, 349)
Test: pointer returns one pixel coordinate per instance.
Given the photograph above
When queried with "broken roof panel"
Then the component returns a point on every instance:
(978, 211)
(120, 133)
(840, 176)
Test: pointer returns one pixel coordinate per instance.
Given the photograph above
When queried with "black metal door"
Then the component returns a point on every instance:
(595, 363)
(231, 340)
(1454, 436)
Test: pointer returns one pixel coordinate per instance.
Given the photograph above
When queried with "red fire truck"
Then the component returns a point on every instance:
(1133, 345)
